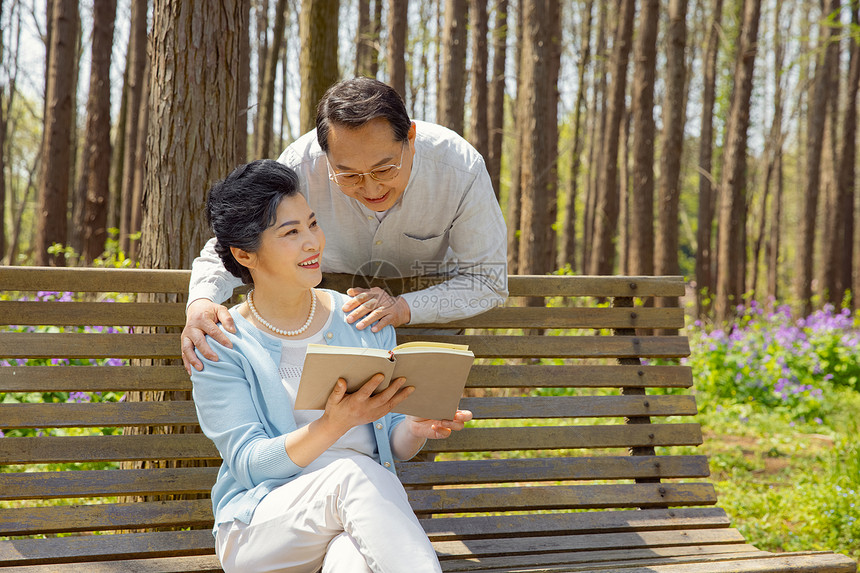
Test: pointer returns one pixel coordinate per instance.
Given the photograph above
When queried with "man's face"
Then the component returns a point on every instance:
(363, 149)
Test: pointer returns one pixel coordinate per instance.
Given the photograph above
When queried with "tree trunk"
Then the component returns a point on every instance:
(732, 216)
(554, 19)
(244, 86)
(705, 283)
(644, 72)
(596, 132)
(534, 119)
(845, 224)
(363, 40)
(496, 96)
(398, 10)
(674, 114)
(139, 173)
(814, 146)
(137, 103)
(606, 209)
(266, 112)
(376, 30)
(262, 24)
(318, 31)
(189, 147)
(3, 127)
(453, 84)
(97, 148)
(567, 251)
(478, 125)
(56, 153)
(513, 214)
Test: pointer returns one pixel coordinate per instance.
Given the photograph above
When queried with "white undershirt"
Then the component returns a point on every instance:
(358, 440)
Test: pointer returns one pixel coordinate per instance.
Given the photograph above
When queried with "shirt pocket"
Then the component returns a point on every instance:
(425, 248)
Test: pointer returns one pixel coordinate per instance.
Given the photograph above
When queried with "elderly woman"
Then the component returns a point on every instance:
(300, 490)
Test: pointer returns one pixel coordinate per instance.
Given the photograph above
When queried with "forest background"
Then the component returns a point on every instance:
(714, 139)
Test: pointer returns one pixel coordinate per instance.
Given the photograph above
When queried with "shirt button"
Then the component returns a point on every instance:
(387, 464)
(370, 217)
(378, 242)
(378, 426)
(329, 335)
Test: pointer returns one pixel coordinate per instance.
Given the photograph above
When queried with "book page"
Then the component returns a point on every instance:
(438, 376)
(325, 364)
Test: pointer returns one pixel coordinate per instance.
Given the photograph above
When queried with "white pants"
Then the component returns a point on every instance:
(350, 516)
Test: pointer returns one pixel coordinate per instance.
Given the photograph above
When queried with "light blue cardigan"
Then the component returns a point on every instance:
(245, 410)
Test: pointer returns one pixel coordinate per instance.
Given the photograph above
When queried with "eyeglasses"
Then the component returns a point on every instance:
(381, 173)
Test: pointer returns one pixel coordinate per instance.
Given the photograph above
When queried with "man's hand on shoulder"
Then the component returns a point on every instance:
(375, 307)
(201, 318)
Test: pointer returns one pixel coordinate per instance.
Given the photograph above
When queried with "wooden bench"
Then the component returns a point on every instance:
(586, 481)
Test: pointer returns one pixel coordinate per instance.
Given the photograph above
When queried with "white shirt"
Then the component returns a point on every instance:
(448, 221)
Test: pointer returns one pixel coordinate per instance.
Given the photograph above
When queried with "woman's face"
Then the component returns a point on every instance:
(291, 249)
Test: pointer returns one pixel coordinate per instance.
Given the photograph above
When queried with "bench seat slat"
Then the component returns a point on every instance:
(579, 406)
(561, 497)
(107, 547)
(106, 517)
(600, 560)
(586, 542)
(93, 378)
(563, 317)
(490, 526)
(48, 449)
(77, 345)
(102, 414)
(504, 346)
(801, 562)
(191, 564)
(550, 469)
(569, 437)
(93, 313)
(579, 376)
(101, 483)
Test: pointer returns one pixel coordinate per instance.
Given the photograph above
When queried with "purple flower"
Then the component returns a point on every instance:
(2, 435)
(114, 362)
(59, 361)
(79, 397)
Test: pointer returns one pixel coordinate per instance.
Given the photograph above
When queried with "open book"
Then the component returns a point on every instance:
(437, 371)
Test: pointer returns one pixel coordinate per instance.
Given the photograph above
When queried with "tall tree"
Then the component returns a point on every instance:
(644, 74)
(496, 95)
(95, 174)
(262, 29)
(244, 87)
(363, 40)
(816, 122)
(318, 61)
(3, 128)
(188, 147)
(774, 172)
(606, 211)
(137, 58)
(533, 117)
(266, 112)
(596, 127)
(732, 215)
(706, 285)
(514, 211)
(478, 128)
(398, 10)
(845, 223)
(674, 114)
(452, 88)
(56, 153)
(567, 251)
(554, 19)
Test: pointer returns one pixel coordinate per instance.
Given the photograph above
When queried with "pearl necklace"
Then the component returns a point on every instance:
(275, 329)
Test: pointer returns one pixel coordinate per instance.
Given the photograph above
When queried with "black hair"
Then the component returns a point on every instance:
(244, 204)
(355, 102)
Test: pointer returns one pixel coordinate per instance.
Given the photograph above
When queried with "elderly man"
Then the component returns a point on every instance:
(395, 197)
